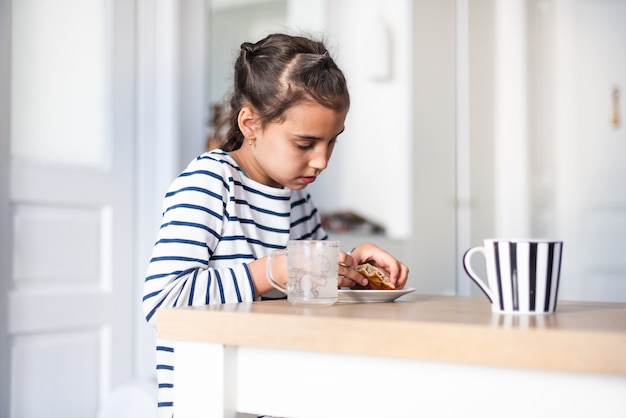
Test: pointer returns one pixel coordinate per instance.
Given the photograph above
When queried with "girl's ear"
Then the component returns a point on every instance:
(248, 122)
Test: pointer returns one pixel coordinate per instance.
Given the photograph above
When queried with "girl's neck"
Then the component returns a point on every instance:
(249, 166)
(241, 159)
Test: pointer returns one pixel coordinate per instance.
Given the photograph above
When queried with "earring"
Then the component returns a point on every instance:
(250, 142)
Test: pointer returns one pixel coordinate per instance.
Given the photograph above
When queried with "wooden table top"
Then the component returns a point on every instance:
(587, 337)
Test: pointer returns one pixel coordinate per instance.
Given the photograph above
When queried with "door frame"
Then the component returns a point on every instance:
(172, 111)
(6, 231)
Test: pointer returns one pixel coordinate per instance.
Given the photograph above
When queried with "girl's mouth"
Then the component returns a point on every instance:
(308, 180)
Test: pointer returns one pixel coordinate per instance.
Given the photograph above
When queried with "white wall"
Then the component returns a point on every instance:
(432, 247)
(370, 172)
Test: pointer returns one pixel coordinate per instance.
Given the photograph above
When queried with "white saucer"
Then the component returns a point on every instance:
(371, 296)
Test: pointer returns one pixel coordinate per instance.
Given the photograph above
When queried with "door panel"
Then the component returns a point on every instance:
(59, 78)
(592, 149)
(72, 358)
(602, 66)
(53, 235)
(70, 294)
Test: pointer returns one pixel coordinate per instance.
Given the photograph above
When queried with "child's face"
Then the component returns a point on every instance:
(292, 153)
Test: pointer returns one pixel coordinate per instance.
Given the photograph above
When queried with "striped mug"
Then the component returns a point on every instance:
(522, 275)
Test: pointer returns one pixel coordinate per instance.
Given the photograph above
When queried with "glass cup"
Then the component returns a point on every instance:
(311, 272)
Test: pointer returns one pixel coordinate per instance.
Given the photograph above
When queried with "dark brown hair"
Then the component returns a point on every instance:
(278, 72)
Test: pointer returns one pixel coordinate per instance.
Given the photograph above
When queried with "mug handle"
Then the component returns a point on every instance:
(270, 276)
(472, 274)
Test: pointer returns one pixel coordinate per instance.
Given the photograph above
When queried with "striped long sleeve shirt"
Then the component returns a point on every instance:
(216, 221)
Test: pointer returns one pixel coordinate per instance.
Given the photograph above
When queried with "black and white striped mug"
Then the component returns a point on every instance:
(522, 275)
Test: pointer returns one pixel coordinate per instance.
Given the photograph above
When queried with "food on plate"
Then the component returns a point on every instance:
(376, 277)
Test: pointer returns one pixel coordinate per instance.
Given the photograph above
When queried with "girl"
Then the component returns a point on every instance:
(232, 206)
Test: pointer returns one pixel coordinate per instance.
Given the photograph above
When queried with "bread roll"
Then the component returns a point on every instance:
(377, 278)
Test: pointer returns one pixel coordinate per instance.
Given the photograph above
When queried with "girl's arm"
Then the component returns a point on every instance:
(193, 222)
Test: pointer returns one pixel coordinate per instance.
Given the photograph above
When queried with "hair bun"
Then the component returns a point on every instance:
(327, 61)
(248, 49)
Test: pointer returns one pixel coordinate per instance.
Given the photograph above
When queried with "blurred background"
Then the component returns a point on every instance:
(470, 119)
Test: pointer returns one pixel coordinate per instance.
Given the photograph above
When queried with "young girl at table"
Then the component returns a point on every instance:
(232, 206)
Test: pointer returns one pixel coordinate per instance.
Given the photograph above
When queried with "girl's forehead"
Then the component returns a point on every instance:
(311, 114)
(313, 119)
(308, 111)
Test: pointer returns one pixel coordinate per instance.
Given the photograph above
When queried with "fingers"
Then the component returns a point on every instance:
(398, 272)
(348, 276)
(346, 260)
(401, 277)
(344, 282)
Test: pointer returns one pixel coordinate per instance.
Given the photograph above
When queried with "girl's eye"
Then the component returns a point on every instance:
(305, 147)
(310, 145)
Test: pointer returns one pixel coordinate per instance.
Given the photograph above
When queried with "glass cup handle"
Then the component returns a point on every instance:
(472, 274)
(270, 276)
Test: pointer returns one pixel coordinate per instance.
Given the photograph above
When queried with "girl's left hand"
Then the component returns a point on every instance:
(367, 252)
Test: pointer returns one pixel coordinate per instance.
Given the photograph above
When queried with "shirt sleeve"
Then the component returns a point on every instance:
(179, 271)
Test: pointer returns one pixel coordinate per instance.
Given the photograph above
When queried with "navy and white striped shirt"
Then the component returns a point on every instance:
(216, 221)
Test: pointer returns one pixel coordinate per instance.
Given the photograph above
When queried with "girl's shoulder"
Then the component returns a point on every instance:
(216, 161)
(212, 170)
(218, 165)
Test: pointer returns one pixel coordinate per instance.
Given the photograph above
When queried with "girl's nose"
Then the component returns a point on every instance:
(320, 161)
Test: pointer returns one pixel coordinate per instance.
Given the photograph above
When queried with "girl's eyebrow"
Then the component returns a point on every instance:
(316, 138)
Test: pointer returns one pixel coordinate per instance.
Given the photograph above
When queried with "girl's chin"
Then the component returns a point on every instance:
(296, 185)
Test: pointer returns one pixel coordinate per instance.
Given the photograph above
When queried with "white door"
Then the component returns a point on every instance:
(67, 204)
(591, 135)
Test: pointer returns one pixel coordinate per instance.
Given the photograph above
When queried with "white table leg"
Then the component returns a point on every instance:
(204, 380)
